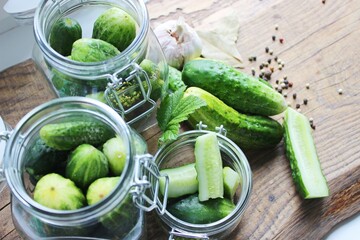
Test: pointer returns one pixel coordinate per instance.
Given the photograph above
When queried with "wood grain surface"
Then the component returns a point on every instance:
(321, 49)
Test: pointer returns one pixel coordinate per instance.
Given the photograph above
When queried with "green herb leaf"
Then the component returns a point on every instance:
(174, 109)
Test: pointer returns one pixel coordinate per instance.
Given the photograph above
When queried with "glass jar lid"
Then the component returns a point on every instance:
(22, 11)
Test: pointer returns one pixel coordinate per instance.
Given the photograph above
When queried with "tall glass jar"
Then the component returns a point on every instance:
(118, 216)
(180, 152)
(132, 82)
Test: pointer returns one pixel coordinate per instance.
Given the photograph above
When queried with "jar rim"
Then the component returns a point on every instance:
(69, 65)
(83, 214)
(217, 226)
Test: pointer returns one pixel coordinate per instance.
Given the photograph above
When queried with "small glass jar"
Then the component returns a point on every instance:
(180, 152)
(132, 82)
(118, 216)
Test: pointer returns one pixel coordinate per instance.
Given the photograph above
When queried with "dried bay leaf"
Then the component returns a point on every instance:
(219, 40)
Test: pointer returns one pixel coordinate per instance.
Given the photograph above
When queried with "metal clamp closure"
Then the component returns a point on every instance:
(130, 89)
(176, 233)
(221, 130)
(147, 176)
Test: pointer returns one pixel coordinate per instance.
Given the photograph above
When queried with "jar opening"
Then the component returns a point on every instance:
(181, 152)
(87, 11)
(27, 131)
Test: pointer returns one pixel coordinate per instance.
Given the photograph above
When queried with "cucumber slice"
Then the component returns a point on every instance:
(208, 164)
(231, 182)
(301, 152)
(182, 181)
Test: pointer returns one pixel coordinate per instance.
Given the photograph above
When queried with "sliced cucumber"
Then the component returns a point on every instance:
(301, 152)
(208, 164)
(231, 182)
(182, 181)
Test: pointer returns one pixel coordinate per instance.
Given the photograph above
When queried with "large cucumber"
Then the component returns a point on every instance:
(301, 152)
(238, 90)
(208, 164)
(247, 131)
(69, 135)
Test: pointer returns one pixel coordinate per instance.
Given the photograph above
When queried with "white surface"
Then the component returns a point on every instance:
(16, 46)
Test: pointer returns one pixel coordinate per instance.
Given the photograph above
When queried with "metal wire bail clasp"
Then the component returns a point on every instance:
(221, 130)
(147, 176)
(130, 88)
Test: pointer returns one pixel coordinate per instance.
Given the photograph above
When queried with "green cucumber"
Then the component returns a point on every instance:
(56, 192)
(100, 188)
(301, 152)
(69, 135)
(247, 131)
(208, 164)
(182, 180)
(92, 50)
(115, 26)
(231, 182)
(63, 34)
(192, 210)
(114, 150)
(86, 164)
(42, 159)
(240, 91)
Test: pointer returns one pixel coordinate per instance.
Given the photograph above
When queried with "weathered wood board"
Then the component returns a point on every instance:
(320, 48)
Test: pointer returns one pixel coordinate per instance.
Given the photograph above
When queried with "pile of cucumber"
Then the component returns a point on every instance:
(204, 191)
(75, 164)
(244, 104)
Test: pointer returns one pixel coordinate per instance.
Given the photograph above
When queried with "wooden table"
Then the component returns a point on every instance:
(321, 47)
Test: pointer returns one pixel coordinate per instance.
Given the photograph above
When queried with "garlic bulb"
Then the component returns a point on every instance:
(179, 42)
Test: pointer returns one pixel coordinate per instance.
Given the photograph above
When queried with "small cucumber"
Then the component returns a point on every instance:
(192, 210)
(231, 182)
(114, 150)
(100, 188)
(63, 34)
(175, 81)
(69, 135)
(182, 180)
(56, 192)
(301, 152)
(208, 164)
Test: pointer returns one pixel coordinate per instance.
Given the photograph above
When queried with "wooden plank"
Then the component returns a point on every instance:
(320, 48)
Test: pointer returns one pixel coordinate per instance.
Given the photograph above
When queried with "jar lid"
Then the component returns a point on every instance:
(22, 11)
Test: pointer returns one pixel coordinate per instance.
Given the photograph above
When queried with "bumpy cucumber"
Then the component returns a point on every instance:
(63, 34)
(238, 90)
(92, 50)
(192, 210)
(69, 135)
(175, 81)
(42, 159)
(231, 182)
(182, 180)
(208, 164)
(301, 152)
(56, 192)
(247, 131)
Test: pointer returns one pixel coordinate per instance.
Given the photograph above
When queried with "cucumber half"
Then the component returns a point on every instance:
(208, 164)
(301, 152)
(182, 180)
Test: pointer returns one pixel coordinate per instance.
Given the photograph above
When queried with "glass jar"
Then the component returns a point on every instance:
(118, 216)
(180, 152)
(132, 83)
